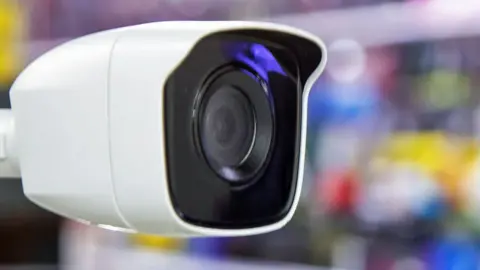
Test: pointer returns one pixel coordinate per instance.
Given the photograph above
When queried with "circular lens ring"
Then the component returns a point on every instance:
(256, 89)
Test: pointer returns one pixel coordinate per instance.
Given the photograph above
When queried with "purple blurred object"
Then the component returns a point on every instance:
(315, 5)
(74, 18)
(40, 18)
(190, 8)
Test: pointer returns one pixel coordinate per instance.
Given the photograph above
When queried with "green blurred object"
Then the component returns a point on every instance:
(443, 90)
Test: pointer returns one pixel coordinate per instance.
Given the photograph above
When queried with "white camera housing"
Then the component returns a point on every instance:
(90, 125)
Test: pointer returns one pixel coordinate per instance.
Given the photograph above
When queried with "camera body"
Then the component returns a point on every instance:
(171, 128)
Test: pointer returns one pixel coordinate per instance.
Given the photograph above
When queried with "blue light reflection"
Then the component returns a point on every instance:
(259, 58)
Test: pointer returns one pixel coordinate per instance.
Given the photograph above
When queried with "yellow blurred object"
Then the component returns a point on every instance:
(447, 159)
(157, 242)
(427, 150)
(11, 34)
(468, 177)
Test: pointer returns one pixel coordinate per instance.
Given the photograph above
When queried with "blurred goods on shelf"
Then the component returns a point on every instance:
(12, 27)
(156, 242)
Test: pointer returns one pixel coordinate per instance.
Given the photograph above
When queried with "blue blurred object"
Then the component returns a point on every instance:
(454, 254)
(335, 102)
(207, 247)
(431, 209)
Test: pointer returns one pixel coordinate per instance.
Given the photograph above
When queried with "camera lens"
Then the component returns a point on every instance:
(235, 124)
(227, 127)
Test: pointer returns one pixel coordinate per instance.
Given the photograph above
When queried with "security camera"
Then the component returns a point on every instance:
(171, 128)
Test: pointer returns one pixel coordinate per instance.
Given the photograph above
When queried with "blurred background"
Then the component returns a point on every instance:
(392, 180)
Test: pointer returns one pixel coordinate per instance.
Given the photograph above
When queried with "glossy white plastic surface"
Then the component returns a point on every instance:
(59, 104)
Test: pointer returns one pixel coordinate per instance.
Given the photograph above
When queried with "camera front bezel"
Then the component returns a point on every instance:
(198, 195)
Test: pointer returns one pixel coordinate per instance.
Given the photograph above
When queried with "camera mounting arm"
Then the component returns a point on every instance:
(9, 166)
